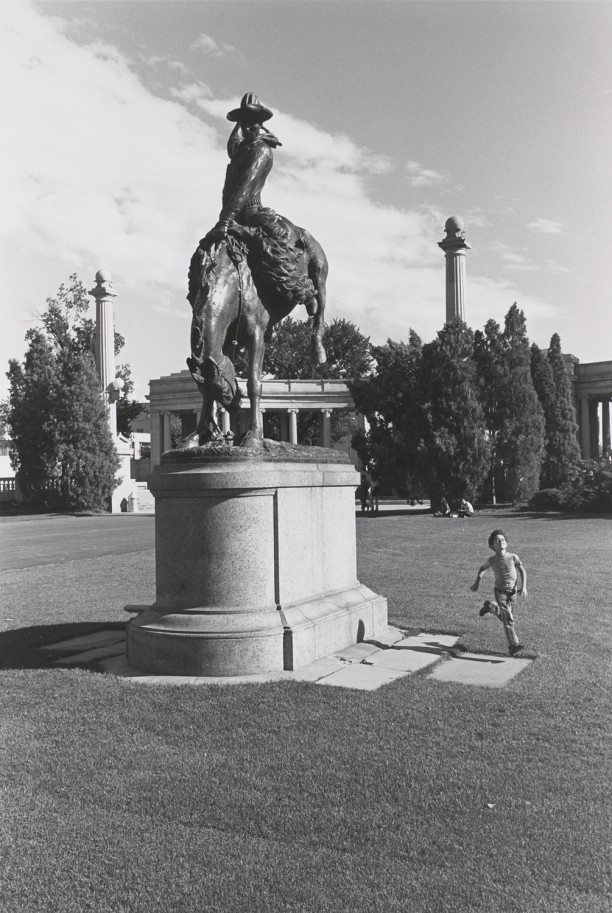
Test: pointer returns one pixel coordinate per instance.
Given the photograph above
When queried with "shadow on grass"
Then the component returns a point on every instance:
(551, 515)
(24, 648)
(383, 514)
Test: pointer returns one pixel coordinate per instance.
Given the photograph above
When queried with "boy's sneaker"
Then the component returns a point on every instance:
(486, 609)
(515, 648)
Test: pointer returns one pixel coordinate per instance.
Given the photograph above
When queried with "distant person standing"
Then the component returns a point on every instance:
(510, 579)
(364, 495)
(374, 493)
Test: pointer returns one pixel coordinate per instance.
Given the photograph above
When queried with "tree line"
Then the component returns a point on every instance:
(484, 415)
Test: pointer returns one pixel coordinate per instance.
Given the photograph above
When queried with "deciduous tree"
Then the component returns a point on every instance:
(387, 398)
(62, 448)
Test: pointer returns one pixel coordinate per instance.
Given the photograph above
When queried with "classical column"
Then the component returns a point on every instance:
(605, 426)
(189, 421)
(156, 438)
(225, 420)
(284, 426)
(585, 434)
(293, 433)
(105, 343)
(166, 436)
(455, 246)
(325, 428)
(594, 429)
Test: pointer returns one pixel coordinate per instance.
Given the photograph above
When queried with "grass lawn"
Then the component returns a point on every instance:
(421, 797)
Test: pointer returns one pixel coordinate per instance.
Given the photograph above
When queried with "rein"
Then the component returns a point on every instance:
(236, 260)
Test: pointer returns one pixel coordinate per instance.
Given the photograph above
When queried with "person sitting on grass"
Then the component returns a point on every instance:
(508, 568)
(465, 508)
(444, 509)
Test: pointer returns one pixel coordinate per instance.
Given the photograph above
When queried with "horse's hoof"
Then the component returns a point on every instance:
(252, 441)
(190, 442)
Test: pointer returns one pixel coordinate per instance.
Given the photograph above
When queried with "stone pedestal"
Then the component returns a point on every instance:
(255, 564)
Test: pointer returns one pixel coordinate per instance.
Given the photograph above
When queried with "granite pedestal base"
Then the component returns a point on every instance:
(255, 567)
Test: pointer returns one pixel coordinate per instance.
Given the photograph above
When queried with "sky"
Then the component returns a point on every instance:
(393, 116)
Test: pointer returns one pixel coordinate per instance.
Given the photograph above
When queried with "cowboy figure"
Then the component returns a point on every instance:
(250, 150)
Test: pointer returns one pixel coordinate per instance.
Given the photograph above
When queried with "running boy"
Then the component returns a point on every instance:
(507, 568)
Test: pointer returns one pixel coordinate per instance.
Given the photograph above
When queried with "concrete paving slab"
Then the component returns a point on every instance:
(319, 669)
(404, 660)
(86, 641)
(356, 653)
(475, 669)
(90, 656)
(386, 638)
(439, 642)
(362, 677)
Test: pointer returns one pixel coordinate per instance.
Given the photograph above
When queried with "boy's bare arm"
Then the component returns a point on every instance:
(523, 587)
(481, 570)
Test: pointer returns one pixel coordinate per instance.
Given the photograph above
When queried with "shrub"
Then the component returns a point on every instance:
(589, 487)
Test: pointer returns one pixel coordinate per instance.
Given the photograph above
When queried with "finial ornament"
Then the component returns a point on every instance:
(104, 285)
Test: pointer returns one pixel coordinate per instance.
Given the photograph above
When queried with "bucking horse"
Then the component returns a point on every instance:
(240, 286)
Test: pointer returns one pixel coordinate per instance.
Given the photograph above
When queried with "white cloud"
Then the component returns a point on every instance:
(546, 227)
(518, 262)
(208, 45)
(557, 268)
(105, 174)
(423, 177)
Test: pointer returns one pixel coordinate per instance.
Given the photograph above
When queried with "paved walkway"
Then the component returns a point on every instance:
(364, 666)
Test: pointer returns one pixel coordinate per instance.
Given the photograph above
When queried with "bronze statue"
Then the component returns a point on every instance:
(251, 270)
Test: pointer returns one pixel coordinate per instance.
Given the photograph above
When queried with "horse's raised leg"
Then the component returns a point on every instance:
(317, 270)
(256, 349)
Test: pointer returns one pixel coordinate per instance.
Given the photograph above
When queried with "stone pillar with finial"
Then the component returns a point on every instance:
(455, 246)
(105, 343)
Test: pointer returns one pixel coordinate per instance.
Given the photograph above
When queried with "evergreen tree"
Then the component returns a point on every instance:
(564, 447)
(521, 436)
(454, 450)
(387, 399)
(491, 369)
(544, 384)
(63, 451)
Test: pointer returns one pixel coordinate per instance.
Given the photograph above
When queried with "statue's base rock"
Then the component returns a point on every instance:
(255, 567)
(263, 451)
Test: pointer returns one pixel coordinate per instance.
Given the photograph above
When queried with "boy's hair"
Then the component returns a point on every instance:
(496, 532)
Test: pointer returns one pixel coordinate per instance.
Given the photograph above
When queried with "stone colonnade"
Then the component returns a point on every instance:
(177, 395)
(592, 385)
(594, 421)
(161, 427)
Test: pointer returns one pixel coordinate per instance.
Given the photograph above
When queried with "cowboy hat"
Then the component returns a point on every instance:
(251, 111)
